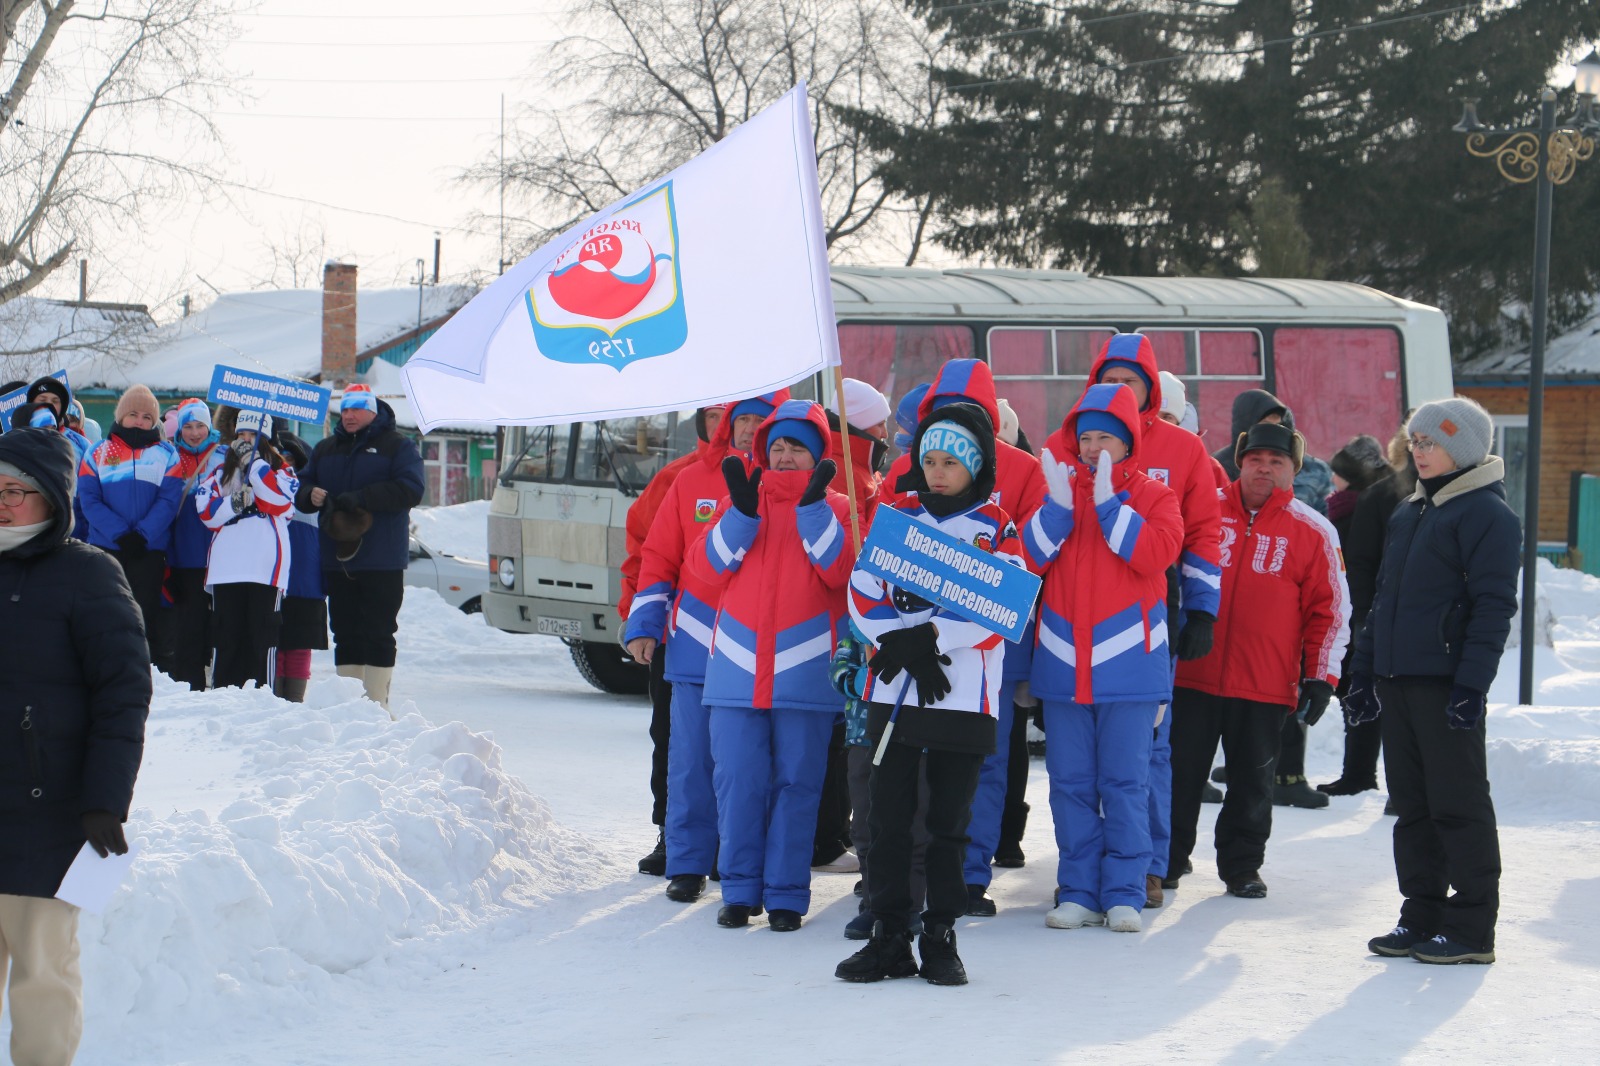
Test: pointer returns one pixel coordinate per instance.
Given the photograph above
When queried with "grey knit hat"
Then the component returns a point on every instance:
(1461, 426)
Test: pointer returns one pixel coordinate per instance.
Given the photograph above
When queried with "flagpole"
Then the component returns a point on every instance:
(844, 451)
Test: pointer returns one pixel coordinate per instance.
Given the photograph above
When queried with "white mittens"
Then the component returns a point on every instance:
(1058, 478)
(1102, 480)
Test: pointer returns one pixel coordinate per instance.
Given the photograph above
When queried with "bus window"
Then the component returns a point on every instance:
(1175, 350)
(627, 452)
(1077, 349)
(538, 453)
(1338, 382)
(895, 359)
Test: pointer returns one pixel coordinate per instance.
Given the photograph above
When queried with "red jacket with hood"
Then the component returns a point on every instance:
(1019, 486)
(1175, 457)
(641, 514)
(668, 600)
(783, 576)
(1103, 611)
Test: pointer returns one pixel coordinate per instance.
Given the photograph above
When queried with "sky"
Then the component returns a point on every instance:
(349, 126)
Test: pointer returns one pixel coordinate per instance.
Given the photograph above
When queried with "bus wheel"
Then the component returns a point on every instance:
(610, 669)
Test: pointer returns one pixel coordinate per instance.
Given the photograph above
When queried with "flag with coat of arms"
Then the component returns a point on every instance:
(708, 285)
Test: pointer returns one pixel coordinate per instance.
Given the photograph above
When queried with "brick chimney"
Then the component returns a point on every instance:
(338, 323)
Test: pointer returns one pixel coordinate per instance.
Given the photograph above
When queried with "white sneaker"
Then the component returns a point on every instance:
(1073, 916)
(846, 863)
(1124, 920)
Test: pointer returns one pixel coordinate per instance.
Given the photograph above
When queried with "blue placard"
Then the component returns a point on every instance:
(960, 577)
(248, 390)
(17, 397)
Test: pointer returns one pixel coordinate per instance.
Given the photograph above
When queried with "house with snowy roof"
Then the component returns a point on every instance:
(334, 336)
(1571, 437)
(41, 336)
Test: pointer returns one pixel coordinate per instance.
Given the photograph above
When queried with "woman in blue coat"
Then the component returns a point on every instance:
(1425, 659)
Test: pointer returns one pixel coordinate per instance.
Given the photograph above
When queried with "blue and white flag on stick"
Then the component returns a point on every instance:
(708, 285)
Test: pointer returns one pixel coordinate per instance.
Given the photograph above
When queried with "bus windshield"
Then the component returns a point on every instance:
(620, 453)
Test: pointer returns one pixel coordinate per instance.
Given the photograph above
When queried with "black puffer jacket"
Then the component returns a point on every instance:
(382, 468)
(1447, 587)
(77, 682)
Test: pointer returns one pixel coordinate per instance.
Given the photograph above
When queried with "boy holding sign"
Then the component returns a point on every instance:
(937, 676)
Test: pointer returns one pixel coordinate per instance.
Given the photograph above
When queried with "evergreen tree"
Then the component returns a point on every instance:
(1177, 136)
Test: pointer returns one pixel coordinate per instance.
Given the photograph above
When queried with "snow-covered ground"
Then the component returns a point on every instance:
(320, 885)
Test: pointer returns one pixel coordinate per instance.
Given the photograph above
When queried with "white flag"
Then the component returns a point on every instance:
(708, 285)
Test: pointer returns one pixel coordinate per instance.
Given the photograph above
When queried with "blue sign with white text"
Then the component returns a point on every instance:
(17, 397)
(960, 577)
(299, 401)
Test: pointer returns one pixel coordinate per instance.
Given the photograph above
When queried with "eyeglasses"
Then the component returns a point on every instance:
(1421, 445)
(15, 497)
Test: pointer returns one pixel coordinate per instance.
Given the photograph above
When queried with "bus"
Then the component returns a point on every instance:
(1345, 358)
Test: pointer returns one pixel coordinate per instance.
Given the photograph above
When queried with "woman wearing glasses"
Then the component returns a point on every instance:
(1424, 661)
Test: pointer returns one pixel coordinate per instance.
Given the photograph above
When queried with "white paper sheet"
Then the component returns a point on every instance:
(91, 881)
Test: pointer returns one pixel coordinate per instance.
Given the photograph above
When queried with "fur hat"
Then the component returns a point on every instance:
(138, 400)
(1461, 427)
(346, 528)
(1361, 462)
(1271, 437)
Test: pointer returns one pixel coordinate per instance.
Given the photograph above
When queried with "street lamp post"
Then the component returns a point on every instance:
(1548, 155)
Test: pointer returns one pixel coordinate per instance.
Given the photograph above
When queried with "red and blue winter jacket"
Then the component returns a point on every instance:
(1103, 613)
(191, 539)
(783, 576)
(130, 489)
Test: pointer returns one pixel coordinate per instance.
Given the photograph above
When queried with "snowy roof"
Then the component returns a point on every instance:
(40, 336)
(1576, 353)
(275, 331)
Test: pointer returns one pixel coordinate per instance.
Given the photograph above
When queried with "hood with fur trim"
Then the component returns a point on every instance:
(1132, 348)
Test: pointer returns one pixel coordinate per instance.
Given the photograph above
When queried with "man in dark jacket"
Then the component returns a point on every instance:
(364, 478)
(72, 716)
(1426, 658)
(1314, 481)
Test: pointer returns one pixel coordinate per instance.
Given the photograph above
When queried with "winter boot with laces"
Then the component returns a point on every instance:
(885, 955)
(940, 963)
(655, 863)
(1398, 944)
(1441, 950)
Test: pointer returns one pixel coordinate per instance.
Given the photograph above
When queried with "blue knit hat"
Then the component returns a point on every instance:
(1129, 364)
(1105, 422)
(796, 429)
(755, 405)
(954, 440)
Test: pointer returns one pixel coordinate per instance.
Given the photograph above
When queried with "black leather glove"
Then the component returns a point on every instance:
(347, 501)
(743, 489)
(104, 831)
(1361, 702)
(908, 602)
(133, 544)
(1314, 696)
(1466, 706)
(821, 478)
(1194, 640)
(932, 683)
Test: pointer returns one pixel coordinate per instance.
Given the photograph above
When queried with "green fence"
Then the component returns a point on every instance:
(1583, 524)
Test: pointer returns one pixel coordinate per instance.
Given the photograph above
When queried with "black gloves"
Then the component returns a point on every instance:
(347, 501)
(1361, 702)
(1466, 706)
(916, 650)
(817, 487)
(742, 488)
(1194, 640)
(104, 831)
(1314, 696)
(133, 544)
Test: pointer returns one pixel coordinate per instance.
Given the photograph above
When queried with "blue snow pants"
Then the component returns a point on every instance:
(1098, 758)
(1160, 795)
(691, 825)
(768, 766)
(989, 803)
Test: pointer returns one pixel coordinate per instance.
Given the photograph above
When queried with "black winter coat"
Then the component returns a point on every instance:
(1448, 584)
(383, 468)
(77, 683)
(1363, 542)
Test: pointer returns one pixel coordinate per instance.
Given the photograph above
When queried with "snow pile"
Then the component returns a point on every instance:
(461, 529)
(332, 839)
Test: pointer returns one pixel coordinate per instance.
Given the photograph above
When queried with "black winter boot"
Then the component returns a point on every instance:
(1296, 791)
(1008, 853)
(686, 888)
(655, 863)
(940, 963)
(886, 955)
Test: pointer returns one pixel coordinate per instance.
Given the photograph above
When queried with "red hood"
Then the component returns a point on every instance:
(802, 409)
(970, 379)
(721, 443)
(1116, 401)
(1133, 348)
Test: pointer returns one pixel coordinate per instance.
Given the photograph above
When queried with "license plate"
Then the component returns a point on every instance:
(559, 627)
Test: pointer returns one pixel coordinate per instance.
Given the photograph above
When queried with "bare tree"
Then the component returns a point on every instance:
(655, 82)
(88, 94)
(295, 257)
